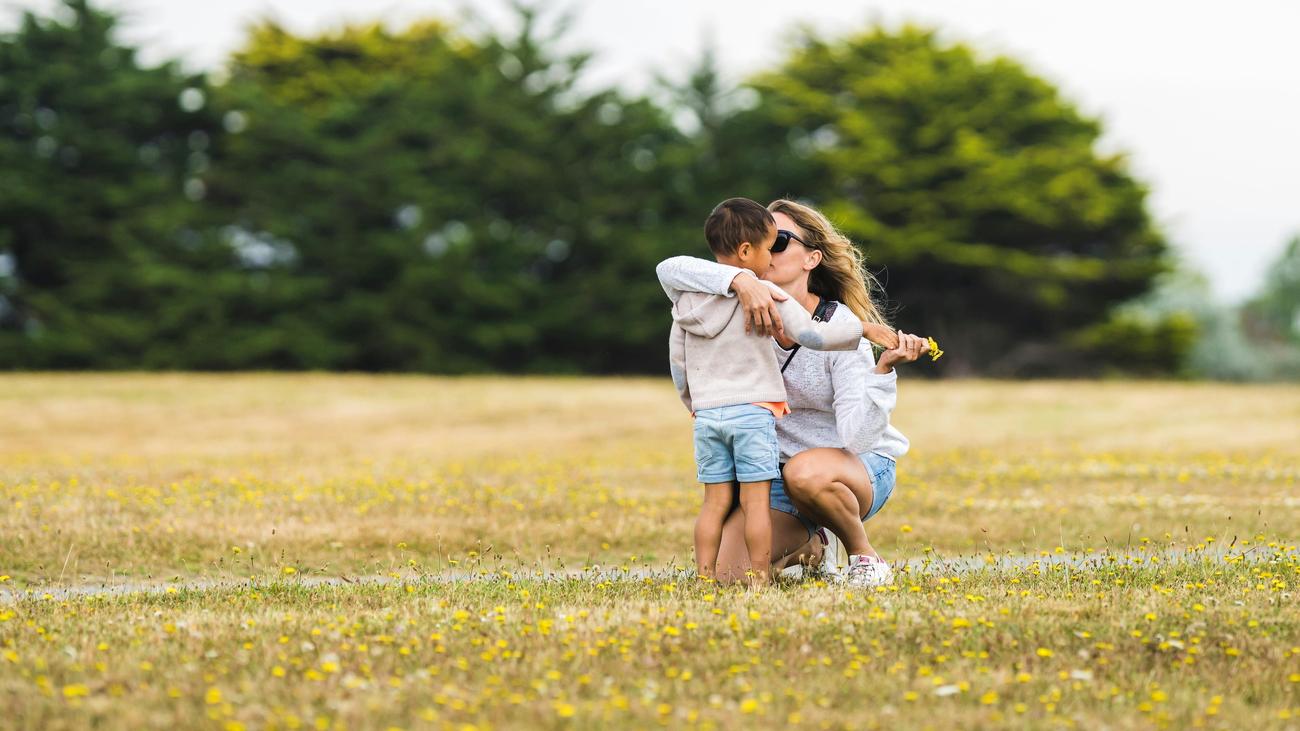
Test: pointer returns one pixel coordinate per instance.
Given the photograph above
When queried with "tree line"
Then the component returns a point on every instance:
(431, 199)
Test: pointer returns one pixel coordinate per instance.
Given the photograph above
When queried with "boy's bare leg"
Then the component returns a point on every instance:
(708, 527)
(758, 528)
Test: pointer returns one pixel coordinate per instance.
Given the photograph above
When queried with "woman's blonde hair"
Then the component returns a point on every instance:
(841, 275)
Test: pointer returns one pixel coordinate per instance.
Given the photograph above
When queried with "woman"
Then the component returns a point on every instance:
(837, 447)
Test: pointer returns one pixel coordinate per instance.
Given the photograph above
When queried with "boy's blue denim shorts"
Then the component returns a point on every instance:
(736, 443)
(881, 469)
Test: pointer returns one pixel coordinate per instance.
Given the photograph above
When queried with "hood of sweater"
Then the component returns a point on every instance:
(704, 315)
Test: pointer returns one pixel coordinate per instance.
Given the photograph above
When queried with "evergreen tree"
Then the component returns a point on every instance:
(456, 202)
(103, 162)
(973, 187)
(1275, 311)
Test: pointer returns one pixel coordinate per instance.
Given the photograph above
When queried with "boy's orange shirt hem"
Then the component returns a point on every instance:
(778, 408)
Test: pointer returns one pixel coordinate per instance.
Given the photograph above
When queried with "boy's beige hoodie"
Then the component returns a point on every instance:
(715, 363)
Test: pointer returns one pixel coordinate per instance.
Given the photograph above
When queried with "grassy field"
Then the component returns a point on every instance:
(1186, 493)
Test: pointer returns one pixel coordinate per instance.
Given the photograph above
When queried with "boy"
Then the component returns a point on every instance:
(731, 383)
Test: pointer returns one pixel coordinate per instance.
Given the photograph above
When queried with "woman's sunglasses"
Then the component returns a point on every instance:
(783, 240)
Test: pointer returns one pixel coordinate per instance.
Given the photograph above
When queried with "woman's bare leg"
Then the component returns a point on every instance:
(809, 554)
(831, 487)
(788, 535)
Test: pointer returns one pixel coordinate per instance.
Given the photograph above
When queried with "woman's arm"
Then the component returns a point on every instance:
(906, 349)
(864, 399)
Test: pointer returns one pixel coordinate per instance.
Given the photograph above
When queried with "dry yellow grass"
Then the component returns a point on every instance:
(118, 477)
(1193, 646)
(168, 475)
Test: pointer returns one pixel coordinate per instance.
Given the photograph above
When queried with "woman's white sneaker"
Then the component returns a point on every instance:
(869, 571)
(832, 553)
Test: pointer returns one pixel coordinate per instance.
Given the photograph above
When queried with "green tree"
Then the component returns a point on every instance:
(451, 203)
(1233, 343)
(970, 182)
(103, 162)
(1275, 311)
(1271, 319)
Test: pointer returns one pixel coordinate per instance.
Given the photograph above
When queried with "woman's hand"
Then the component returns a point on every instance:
(910, 347)
(759, 303)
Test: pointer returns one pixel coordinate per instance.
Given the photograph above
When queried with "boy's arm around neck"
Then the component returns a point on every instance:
(801, 328)
(680, 274)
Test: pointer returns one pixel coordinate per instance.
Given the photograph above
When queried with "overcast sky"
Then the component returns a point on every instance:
(1204, 96)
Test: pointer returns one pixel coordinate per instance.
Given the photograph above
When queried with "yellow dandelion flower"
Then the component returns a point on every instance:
(935, 352)
(1044, 652)
(213, 696)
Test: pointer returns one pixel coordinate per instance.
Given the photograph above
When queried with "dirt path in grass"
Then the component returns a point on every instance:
(933, 565)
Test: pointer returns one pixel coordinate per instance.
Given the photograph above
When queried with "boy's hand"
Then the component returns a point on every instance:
(759, 303)
(880, 335)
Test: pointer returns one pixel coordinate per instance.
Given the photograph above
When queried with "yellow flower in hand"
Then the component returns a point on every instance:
(935, 353)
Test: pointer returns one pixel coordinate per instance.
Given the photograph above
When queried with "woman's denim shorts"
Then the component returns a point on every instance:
(881, 469)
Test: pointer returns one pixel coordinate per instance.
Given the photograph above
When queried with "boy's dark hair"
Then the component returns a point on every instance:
(734, 221)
